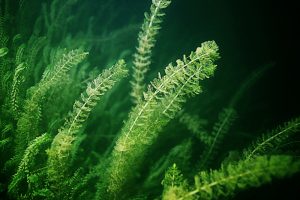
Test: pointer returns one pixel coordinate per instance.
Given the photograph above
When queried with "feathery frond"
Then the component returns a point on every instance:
(174, 184)
(28, 160)
(167, 93)
(69, 60)
(173, 177)
(162, 101)
(20, 53)
(98, 87)
(18, 79)
(271, 141)
(180, 154)
(63, 143)
(244, 174)
(146, 42)
(28, 123)
(220, 129)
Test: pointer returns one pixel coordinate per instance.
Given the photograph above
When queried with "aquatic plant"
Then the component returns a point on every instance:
(69, 130)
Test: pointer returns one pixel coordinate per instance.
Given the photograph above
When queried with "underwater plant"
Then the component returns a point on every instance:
(70, 130)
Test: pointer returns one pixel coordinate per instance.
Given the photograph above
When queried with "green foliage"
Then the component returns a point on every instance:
(4, 142)
(213, 141)
(60, 68)
(18, 79)
(162, 101)
(27, 164)
(196, 126)
(174, 184)
(95, 89)
(62, 147)
(270, 142)
(3, 51)
(180, 154)
(167, 93)
(244, 174)
(146, 42)
(34, 47)
(68, 130)
(28, 123)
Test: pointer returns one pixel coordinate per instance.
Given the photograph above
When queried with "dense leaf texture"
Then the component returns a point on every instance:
(27, 163)
(162, 101)
(28, 123)
(62, 147)
(233, 177)
(146, 42)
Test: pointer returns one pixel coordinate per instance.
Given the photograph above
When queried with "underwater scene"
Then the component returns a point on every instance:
(148, 99)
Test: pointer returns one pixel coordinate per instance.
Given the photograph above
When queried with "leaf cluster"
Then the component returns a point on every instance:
(146, 42)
